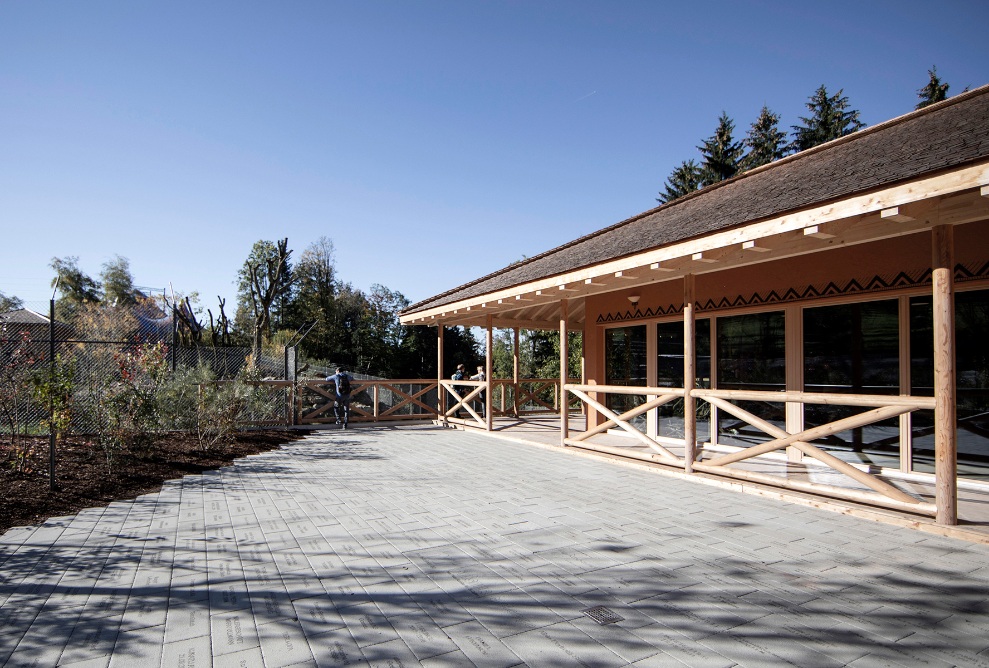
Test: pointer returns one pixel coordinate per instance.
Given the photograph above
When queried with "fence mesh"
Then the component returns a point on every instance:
(94, 347)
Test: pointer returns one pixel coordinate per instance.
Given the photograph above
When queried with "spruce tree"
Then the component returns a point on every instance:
(765, 141)
(686, 178)
(934, 91)
(722, 155)
(830, 119)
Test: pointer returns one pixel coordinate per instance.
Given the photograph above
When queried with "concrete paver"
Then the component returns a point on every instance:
(422, 546)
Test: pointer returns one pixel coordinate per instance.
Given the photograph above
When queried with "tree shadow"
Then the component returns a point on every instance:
(312, 575)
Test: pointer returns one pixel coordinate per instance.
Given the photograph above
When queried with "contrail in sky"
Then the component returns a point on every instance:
(586, 96)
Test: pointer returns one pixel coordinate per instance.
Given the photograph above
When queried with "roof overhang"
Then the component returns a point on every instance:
(951, 197)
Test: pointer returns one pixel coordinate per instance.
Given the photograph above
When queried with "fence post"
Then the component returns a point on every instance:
(374, 397)
(175, 331)
(51, 395)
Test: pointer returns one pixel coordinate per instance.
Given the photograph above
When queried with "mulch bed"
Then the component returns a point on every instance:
(83, 481)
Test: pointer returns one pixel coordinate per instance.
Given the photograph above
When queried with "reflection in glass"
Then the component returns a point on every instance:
(670, 374)
(854, 349)
(972, 379)
(625, 364)
(751, 356)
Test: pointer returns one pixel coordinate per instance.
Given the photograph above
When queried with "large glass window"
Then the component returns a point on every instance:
(670, 374)
(972, 378)
(625, 364)
(854, 349)
(751, 356)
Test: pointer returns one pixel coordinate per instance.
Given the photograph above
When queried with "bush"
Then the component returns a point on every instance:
(194, 400)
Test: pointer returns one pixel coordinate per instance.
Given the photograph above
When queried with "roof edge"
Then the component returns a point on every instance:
(897, 120)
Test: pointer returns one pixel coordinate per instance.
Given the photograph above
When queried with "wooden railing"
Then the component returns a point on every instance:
(879, 492)
(372, 400)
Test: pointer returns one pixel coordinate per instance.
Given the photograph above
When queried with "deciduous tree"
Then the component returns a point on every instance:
(74, 285)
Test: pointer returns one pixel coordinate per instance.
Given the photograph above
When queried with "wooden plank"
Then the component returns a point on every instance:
(515, 370)
(822, 398)
(626, 416)
(755, 246)
(610, 415)
(811, 450)
(817, 231)
(812, 434)
(689, 374)
(818, 489)
(945, 422)
(894, 214)
(488, 374)
(440, 396)
(564, 373)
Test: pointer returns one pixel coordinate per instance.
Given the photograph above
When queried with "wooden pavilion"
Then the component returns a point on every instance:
(831, 306)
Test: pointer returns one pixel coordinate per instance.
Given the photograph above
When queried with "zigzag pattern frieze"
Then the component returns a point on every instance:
(877, 283)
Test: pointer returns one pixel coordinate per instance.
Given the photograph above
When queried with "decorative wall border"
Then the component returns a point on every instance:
(876, 284)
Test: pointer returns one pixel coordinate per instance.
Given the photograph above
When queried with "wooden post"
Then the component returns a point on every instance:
(515, 371)
(945, 422)
(689, 357)
(564, 359)
(794, 371)
(440, 395)
(488, 373)
(375, 393)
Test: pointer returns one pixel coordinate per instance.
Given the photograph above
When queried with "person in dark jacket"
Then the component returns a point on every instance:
(342, 382)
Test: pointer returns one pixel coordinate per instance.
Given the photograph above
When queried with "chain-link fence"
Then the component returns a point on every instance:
(72, 365)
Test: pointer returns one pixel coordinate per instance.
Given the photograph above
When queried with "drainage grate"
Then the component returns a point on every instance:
(602, 615)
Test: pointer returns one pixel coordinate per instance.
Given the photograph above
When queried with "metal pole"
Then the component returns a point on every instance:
(175, 330)
(51, 395)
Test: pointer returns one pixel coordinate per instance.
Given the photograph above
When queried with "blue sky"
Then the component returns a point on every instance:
(433, 142)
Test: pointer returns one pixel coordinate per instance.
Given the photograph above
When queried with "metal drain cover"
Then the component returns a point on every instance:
(602, 615)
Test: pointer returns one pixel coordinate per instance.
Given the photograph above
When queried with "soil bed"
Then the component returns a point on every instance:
(83, 481)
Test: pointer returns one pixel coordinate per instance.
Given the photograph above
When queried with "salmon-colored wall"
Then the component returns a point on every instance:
(873, 268)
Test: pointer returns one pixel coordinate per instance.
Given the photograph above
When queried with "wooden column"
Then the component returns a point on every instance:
(440, 395)
(945, 401)
(515, 370)
(488, 372)
(689, 374)
(794, 370)
(564, 359)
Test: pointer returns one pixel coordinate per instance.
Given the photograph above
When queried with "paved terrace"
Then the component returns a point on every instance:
(422, 546)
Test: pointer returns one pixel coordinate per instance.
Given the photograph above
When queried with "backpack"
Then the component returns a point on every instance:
(343, 384)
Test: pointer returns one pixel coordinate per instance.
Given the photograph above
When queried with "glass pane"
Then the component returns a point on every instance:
(854, 349)
(670, 368)
(972, 369)
(625, 364)
(751, 356)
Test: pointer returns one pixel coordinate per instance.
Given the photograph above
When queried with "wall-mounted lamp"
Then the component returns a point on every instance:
(634, 299)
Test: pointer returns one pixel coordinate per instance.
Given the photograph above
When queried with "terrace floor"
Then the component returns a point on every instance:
(419, 545)
(973, 497)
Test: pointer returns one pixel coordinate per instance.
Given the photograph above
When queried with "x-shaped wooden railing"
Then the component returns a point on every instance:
(882, 408)
(464, 402)
(409, 405)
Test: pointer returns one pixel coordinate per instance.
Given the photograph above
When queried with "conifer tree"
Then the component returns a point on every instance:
(686, 178)
(830, 119)
(934, 91)
(765, 141)
(722, 155)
